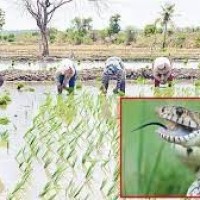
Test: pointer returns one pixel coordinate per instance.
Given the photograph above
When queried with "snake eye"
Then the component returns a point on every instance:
(179, 111)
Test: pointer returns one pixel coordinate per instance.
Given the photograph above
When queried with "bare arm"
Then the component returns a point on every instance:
(65, 81)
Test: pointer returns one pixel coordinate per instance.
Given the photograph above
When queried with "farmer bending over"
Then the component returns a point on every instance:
(114, 69)
(162, 71)
(66, 74)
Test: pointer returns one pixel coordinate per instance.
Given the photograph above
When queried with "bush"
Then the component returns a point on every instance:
(35, 33)
(86, 40)
(149, 30)
(5, 37)
(120, 38)
(103, 34)
(52, 38)
(180, 39)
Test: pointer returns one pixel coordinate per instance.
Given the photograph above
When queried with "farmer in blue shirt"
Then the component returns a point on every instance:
(114, 69)
(66, 74)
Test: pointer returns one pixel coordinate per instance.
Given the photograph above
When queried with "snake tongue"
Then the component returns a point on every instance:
(150, 124)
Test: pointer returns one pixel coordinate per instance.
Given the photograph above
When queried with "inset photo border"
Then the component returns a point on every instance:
(159, 147)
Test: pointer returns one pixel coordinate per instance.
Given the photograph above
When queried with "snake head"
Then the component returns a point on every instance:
(182, 125)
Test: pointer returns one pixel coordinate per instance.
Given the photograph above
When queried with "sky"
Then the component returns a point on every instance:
(135, 13)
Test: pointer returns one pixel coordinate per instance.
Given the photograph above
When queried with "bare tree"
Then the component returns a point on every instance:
(42, 11)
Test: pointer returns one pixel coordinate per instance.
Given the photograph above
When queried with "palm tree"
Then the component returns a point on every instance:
(166, 18)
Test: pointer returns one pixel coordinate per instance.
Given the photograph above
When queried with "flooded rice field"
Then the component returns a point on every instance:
(66, 147)
(40, 65)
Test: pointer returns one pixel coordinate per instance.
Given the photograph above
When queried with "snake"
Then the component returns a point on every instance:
(182, 130)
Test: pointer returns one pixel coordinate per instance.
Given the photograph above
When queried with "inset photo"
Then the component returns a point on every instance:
(160, 147)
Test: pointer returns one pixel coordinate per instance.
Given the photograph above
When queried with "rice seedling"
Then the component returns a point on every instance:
(185, 61)
(20, 85)
(4, 99)
(140, 80)
(4, 121)
(71, 145)
(30, 89)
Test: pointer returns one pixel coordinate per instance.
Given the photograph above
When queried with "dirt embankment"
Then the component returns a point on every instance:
(91, 74)
(30, 52)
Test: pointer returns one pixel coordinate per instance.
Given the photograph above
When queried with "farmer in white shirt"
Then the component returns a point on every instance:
(114, 68)
(66, 74)
(162, 71)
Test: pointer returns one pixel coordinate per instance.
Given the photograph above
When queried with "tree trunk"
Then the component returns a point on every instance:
(164, 35)
(45, 43)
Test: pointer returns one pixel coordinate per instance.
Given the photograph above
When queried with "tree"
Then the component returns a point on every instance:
(2, 18)
(114, 26)
(42, 11)
(166, 18)
(82, 25)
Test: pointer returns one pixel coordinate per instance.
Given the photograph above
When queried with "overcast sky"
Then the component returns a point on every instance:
(133, 12)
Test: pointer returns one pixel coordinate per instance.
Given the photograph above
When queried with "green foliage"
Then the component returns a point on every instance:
(52, 34)
(114, 26)
(80, 32)
(120, 38)
(103, 34)
(5, 37)
(35, 33)
(11, 38)
(77, 37)
(149, 29)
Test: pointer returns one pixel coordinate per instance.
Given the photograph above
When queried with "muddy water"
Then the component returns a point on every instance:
(37, 65)
(24, 107)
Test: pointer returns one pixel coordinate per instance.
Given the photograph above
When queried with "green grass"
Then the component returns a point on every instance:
(149, 165)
